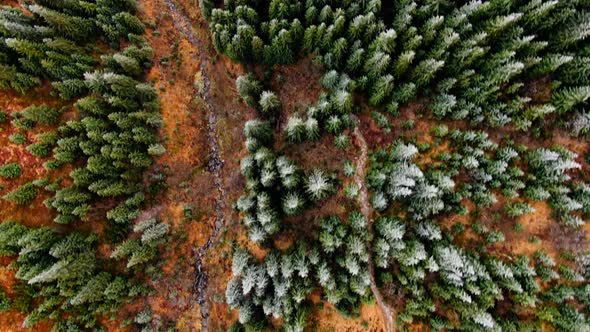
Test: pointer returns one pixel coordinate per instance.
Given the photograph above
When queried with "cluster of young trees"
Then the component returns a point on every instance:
(489, 166)
(242, 34)
(275, 287)
(490, 170)
(438, 276)
(472, 59)
(278, 285)
(254, 94)
(331, 113)
(435, 275)
(442, 282)
(344, 270)
(275, 186)
(56, 40)
(145, 247)
(70, 284)
(395, 177)
(115, 127)
(335, 262)
(111, 139)
(115, 134)
(549, 180)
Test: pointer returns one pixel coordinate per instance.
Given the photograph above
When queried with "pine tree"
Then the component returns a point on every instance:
(425, 71)
(341, 141)
(295, 130)
(23, 195)
(73, 27)
(156, 149)
(5, 302)
(312, 130)
(269, 102)
(383, 88)
(233, 293)
(259, 130)
(10, 170)
(566, 99)
(443, 105)
(402, 64)
(377, 64)
(249, 89)
(93, 290)
(292, 203)
(42, 114)
(318, 185)
(355, 61)
(40, 149)
(10, 234)
(17, 138)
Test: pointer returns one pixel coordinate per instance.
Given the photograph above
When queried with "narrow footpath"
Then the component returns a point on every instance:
(363, 199)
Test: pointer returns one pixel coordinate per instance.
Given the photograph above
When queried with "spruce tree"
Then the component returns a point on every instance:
(23, 195)
(269, 102)
(10, 170)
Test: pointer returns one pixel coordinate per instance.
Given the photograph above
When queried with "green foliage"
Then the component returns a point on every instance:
(348, 168)
(144, 248)
(64, 275)
(4, 301)
(340, 270)
(516, 209)
(249, 89)
(40, 149)
(42, 114)
(22, 195)
(342, 141)
(269, 102)
(319, 185)
(17, 138)
(206, 7)
(10, 170)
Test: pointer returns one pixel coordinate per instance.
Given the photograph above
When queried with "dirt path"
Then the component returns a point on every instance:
(363, 199)
(215, 165)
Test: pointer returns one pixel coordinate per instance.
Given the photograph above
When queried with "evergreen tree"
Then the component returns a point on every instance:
(269, 102)
(23, 195)
(73, 27)
(249, 89)
(42, 114)
(10, 170)
(318, 185)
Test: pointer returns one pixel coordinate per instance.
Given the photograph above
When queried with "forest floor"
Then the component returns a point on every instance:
(203, 135)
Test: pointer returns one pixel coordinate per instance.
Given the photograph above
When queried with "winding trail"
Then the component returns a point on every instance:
(363, 199)
(215, 165)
